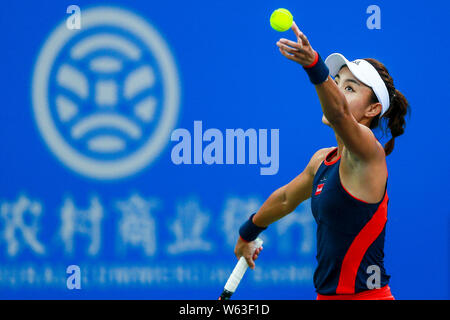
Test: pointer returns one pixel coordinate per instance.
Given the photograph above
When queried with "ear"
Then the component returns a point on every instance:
(373, 110)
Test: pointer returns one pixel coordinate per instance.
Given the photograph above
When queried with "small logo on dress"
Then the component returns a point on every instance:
(319, 189)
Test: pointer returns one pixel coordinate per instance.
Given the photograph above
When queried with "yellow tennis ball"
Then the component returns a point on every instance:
(281, 19)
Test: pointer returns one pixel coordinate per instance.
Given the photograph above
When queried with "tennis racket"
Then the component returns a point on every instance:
(237, 274)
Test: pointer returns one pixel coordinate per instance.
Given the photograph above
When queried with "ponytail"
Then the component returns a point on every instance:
(398, 107)
(396, 119)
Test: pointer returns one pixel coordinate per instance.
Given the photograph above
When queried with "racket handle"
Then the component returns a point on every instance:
(239, 270)
(236, 275)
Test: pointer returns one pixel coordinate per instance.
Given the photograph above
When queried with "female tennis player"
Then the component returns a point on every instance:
(347, 184)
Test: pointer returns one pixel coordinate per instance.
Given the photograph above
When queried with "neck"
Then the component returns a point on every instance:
(340, 145)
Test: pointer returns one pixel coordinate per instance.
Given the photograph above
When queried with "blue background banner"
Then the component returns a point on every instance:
(91, 120)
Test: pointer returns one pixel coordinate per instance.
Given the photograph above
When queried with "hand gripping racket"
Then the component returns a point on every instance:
(237, 274)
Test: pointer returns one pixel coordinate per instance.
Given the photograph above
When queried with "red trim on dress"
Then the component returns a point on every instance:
(352, 259)
(329, 163)
(383, 293)
(351, 194)
(340, 181)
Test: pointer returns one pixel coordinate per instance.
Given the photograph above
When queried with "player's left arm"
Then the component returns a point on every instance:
(357, 138)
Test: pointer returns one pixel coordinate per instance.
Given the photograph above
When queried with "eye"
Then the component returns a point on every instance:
(348, 88)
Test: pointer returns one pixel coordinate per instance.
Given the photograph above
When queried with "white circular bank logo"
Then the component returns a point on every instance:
(106, 97)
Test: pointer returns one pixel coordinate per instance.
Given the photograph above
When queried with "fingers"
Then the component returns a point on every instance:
(250, 262)
(290, 56)
(294, 54)
(295, 51)
(256, 254)
(297, 45)
(300, 51)
(300, 35)
(249, 253)
(304, 39)
(295, 28)
(238, 251)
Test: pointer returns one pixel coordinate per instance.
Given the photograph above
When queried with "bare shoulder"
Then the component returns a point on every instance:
(317, 159)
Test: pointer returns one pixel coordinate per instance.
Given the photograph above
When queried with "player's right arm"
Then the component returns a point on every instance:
(281, 202)
(285, 199)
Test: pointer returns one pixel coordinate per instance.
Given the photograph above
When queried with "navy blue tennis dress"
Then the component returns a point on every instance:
(350, 234)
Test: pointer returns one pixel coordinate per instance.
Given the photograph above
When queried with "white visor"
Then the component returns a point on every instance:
(364, 72)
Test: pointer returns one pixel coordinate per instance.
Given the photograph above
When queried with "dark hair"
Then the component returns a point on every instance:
(398, 107)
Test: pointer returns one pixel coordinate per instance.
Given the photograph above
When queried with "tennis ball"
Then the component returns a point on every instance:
(281, 20)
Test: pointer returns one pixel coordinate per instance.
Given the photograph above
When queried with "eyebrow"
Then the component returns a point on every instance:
(349, 80)
(354, 81)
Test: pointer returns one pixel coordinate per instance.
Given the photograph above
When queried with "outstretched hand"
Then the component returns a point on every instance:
(300, 51)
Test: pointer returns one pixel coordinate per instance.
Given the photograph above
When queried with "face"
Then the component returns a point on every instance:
(358, 95)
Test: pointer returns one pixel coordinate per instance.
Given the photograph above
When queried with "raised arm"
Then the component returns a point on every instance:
(357, 138)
